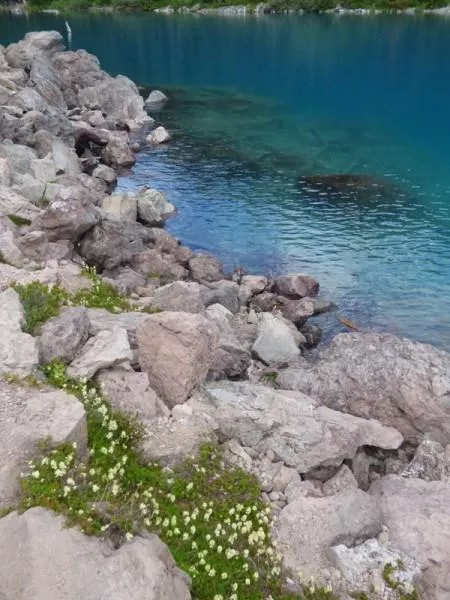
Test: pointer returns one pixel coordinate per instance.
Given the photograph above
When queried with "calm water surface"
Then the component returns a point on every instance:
(257, 105)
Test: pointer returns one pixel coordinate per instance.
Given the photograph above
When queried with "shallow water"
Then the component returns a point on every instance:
(260, 106)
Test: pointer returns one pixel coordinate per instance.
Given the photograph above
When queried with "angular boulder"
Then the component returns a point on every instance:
(222, 292)
(204, 267)
(417, 518)
(296, 286)
(28, 415)
(67, 220)
(153, 208)
(179, 296)
(38, 562)
(18, 350)
(276, 343)
(308, 527)
(289, 425)
(176, 349)
(62, 336)
(120, 207)
(106, 349)
(160, 135)
(401, 383)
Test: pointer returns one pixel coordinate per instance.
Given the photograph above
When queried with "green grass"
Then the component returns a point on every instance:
(42, 302)
(19, 221)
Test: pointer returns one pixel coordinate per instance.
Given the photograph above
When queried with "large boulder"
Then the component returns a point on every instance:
(204, 267)
(28, 415)
(62, 336)
(106, 349)
(34, 44)
(67, 220)
(13, 203)
(130, 392)
(38, 562)
(18, 350)
(401, 383)
(289, 425)
(156, 264)
(308, 527)
(431, 462)
(179, 296)
(103, 320)
(120, 206)
(153, 208)
(111, 244)
(276, 343)
(117, 152)
(46, 81)
(176, 350)
(296, 286)
(222, 292)
(155, 100)
(417, 518)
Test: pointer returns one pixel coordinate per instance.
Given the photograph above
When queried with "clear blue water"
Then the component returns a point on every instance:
(258, 103)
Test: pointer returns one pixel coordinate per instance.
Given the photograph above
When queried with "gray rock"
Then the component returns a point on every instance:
(103, 320)
(130, 392)
(312, 335)
(46, 81)
(160, 135)
(221, 317)
(117, 152)
(288, 424)
(275, 344)
(105, 173)
(121, 206)
(343, 480)
(363, 569)
(222, 292)
(179, 296)
(361, 469)
(111, 244)
(154, 263)
(62, 336)
(431, 462)
(416, 515)
(236, 455)
(155, 99)
(66, 220)
(231, 360)
(401, 383)
(23, 53)
(308, 527)
(65, 158)
(9, 251)
(125, 280)
(153, 208)
(13, 203)
(176, 350)
(264, 302)
(5, 172)
(28, 415)
(296, 286)
(204, 267)
(106, 349)
(298, 311)
(41, 547)
(18, 350)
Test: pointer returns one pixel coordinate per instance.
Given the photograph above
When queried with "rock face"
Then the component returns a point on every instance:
(401, 383)
(308, 527)
(18, 350)
(417, 518)
(363, 569)
(62, 336)
(275, 344)
(176, 350)
(106, 349)
(179, 296)
(296, 286)
(40, 549)
(27, 416)
(289, 425)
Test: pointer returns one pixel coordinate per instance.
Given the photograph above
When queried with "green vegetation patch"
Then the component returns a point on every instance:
(208, 512)
(42, 302)
(19, 221)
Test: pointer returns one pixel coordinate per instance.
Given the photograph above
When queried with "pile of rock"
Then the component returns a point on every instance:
(352, 449)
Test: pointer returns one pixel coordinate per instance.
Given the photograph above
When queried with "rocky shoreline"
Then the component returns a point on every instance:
(351, 449)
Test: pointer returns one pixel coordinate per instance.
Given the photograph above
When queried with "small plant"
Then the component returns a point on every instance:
(393, 583)
(270, 376)
(40, 303)
(28, 380)
(19, 221)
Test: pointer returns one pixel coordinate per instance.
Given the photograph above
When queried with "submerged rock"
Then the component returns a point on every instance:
(361, 188)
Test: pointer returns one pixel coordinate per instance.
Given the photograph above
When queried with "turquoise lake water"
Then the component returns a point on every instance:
(258, 105)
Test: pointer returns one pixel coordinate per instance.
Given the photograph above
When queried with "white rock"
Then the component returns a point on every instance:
(155, 99)
(106, 349)
(275, 344)
(121, 206)
(160, 135)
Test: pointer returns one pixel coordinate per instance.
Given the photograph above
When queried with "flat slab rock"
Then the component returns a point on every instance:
(401, 383)
(44, 560)
(308, 527)
(291, 425)
(416, 514)
(28, 415)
